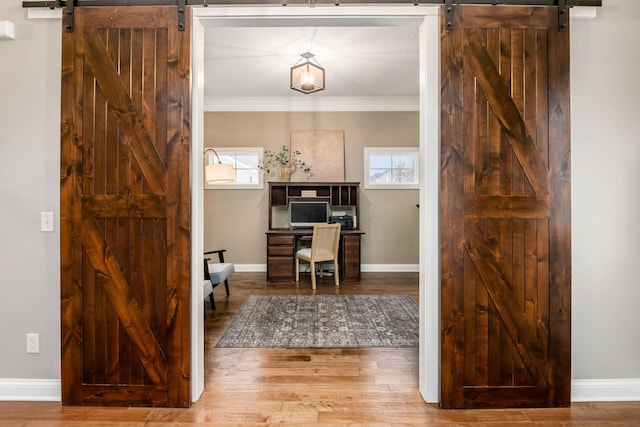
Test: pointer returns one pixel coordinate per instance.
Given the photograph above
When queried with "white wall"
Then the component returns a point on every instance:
(606, 200)
(605, 91)
(29, 184)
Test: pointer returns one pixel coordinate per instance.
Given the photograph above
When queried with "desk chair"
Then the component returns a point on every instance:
(324, 247)
(216, 273)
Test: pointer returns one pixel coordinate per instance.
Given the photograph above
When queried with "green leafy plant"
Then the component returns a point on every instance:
(273, 161)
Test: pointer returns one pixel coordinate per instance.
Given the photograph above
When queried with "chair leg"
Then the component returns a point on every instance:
(226, 286)
(297, 269)
(312, 268)
(321, 268)
(213, 303)
(336, 273)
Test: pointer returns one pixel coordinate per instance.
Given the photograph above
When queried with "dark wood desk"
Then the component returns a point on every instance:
(281, 251)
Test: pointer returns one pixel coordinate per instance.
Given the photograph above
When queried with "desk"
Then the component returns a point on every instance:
(281, 252)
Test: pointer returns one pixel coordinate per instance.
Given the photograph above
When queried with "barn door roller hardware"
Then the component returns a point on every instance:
(182, 12)
(70, 5)
(68, 16)
(448, 14)
(563, 14)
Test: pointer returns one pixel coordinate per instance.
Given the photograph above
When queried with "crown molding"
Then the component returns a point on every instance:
(311, 104)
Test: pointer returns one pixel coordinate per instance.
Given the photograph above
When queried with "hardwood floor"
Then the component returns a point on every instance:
(329, 387)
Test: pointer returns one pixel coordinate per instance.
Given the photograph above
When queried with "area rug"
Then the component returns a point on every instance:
(323, 321)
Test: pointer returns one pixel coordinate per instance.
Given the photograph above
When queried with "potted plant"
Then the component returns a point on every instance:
(283, 161)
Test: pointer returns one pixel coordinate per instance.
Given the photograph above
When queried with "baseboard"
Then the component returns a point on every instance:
(615, 390)
(250, 268)
(390, 268)
(365, 268)
(24, 389)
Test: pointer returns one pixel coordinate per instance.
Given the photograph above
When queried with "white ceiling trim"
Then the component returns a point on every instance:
(313, 104)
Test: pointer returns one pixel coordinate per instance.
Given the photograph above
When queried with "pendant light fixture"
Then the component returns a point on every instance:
(307, 76)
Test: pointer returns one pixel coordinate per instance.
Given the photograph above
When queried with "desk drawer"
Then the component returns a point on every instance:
(281, 240)
(280, 268)
(280, 250)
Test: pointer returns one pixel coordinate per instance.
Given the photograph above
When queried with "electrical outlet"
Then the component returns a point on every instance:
(46, 221)
(33, 343)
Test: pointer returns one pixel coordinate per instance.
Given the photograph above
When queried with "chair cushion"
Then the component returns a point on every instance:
(207, 288)
(219, 272)
(321, 254)
(304, 253)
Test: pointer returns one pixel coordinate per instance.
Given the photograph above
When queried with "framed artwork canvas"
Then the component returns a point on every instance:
(323, 150)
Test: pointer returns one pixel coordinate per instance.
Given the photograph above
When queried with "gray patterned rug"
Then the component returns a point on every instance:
(323, 321)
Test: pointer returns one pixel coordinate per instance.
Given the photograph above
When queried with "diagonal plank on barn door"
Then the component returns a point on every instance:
(128, 117)
(529, 344)
(505, 110)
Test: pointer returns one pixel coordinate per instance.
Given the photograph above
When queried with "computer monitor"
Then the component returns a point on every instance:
(308, 213)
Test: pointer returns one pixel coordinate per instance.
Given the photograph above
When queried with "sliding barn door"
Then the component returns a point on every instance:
(505, 209)
(125, 214)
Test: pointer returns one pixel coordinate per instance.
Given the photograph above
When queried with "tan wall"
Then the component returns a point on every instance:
(237, 219)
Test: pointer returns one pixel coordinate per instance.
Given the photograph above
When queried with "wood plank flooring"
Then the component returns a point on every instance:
(319, 387)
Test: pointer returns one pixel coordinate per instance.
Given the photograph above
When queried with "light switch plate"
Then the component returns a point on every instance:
(33, 343)
(46, 221)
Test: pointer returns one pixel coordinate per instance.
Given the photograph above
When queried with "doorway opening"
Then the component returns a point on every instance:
(429, 107)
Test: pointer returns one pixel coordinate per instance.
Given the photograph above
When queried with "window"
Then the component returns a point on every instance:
(245, 163)
(397, 167)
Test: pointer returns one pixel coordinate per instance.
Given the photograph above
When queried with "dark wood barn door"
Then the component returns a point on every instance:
(505, 209)
(125, 208)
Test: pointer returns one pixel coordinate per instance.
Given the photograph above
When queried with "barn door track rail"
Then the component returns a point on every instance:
(450, 5)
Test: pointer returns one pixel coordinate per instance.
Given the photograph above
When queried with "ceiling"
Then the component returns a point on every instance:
(370, 65)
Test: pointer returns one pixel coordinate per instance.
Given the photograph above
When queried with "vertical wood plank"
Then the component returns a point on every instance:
(178, 195)
(71, 133)
(560, 222)
(517, 93)
(482, 333)
(511, 174)
(542, 286)
(111, 41)
(452, 359)
(494, 140)
(470, 332)
(530, 287)
(99, 134)
(162, 94)
(109, 322)
(542, 96)
(158, 234)
(137, 51)
(530, 91)
(89, 169)
(481, 131)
